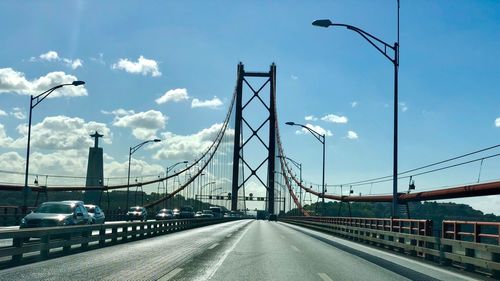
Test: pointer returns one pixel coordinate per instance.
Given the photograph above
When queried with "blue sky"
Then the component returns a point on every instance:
(449, 82)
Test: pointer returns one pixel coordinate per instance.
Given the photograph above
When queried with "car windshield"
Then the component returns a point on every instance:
(90, 209)
(134, 209)
(55, 209)
(207, 212)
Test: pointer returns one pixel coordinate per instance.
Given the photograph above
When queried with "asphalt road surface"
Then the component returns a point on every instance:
(239, 250)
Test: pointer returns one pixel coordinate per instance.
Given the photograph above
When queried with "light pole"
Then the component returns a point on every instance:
(376, 42)
(321, 139)
(169, 168)
(201, 190)
(37, 99)
(130, 152)
(299, 166)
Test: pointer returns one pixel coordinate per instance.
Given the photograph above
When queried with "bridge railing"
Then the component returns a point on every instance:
(474, 231)
(471, 255)
(411, 226)
(16, 246)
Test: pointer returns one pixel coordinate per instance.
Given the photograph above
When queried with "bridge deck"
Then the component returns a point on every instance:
(239, 250)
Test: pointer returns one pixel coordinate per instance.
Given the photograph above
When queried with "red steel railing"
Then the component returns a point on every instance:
(474, 231)
(410, 226)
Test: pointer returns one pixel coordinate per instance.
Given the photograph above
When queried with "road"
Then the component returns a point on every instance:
(239, 250)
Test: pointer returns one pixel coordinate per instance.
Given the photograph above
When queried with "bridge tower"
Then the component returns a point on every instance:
(256, 96)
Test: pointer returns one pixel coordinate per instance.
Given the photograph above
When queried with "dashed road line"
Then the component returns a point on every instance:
(213, 246)
(229, 235)
(171, 274)
(295, 248)
(324, 277)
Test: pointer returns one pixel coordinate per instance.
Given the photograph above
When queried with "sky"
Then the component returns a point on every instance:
(167, 69)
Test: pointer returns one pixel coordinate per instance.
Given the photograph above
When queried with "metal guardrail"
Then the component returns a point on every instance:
(411, 226)
(479, 257)
(59, 240)
(474, 231)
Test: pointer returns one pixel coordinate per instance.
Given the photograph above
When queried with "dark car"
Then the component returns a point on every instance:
(176, 214)
(137, 213)
(204, 214)
(57, 214)
(164, 214)
(96, 214)
(186, 212)
(272, 217)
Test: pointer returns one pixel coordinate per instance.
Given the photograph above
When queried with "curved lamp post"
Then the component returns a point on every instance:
(382, 47)
(130, 152)
(321, 139)
(34, 101)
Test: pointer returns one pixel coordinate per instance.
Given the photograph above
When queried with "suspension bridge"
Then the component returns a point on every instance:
(247, 150)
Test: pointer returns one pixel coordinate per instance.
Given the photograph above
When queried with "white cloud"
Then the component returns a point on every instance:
(174, 95)
(213, 103)
(74, 64)
(99, 59)
(118, 112)
(3, 113)
(497, 122)
(354, 104)
(403, 106)
(144, 125)
(142, 66)
(310, 118)
(5, 141)
(50, 56)
(18, 113)
(62, 133)
(12, 81)
(188, 147)
(352, 135)
(334, 118)
(318, 129)
(54, 56)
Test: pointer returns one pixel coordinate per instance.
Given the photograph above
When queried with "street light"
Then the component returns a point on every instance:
(130, 152)
(38, 99)
(166, 176)
(376, 42)
(299, 166)
(321, 139)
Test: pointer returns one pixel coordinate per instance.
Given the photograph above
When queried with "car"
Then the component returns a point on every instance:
(96, 214)
(164, 214)
(272, 217)
(137, 213)
(176, 214)
(204, 214)
(186, 212)
(62, 213)
(217, 211)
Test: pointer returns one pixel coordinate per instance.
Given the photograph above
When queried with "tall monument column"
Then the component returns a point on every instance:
(95, 172)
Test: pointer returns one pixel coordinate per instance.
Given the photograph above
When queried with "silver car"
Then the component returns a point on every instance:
(57, 214)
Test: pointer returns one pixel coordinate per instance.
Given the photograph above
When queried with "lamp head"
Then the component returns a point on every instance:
(290, 123)
(157, 140)
(322, 23)
(185, 162)
(77, 83)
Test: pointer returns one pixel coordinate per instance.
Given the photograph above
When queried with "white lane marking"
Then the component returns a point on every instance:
(213, 246)
(229, 235)
(295, 248)
(171, 274)
(209, 273)
(324, 277)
